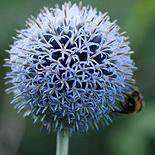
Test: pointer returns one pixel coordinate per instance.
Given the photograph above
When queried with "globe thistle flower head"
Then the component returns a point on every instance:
(70, 68)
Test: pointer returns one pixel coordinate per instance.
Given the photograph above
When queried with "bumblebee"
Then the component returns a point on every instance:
(133, 103)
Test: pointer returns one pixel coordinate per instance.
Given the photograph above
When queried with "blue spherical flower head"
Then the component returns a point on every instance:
(70, 68)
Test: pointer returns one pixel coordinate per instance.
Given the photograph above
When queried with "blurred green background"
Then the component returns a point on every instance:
(128, 135)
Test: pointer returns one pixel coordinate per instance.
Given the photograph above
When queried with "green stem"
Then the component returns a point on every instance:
(62, 143)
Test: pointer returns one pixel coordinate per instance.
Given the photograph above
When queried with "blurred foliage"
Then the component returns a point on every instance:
(128, 135)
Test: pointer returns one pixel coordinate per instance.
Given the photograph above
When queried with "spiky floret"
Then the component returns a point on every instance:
(70, 67)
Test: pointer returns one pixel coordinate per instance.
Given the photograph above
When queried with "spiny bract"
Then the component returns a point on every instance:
(70, 68)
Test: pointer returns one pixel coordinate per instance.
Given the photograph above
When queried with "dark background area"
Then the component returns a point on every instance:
(127, 135)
